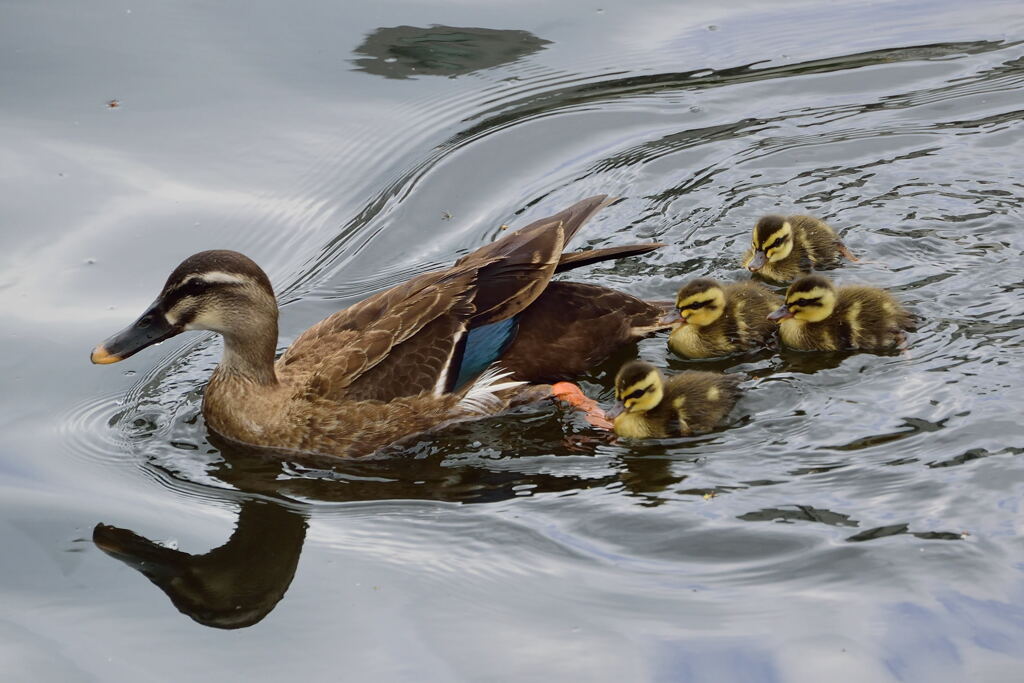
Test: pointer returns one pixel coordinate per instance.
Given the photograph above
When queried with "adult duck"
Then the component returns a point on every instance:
(468, 341)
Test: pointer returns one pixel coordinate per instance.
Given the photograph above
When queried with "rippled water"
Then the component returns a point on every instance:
(859, 518)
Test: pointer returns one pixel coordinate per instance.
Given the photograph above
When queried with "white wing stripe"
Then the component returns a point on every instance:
(482, 397)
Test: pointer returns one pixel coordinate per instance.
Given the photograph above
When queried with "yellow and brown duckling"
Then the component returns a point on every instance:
(818, 316)
(785, 247)
(653, 406)
(717, 319)
(468, 341)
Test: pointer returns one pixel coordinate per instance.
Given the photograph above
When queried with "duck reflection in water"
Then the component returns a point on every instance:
(232, 586)
(239, 583)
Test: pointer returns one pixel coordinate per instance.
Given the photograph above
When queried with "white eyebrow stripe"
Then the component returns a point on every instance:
(219, 276)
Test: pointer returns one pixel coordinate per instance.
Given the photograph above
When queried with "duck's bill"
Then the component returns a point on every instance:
(757, 261)
(151, 328)
(781, 313)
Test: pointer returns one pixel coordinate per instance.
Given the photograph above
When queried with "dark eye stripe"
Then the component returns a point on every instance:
(636, 394)
(775, 244)
(696, 305)
(805, 302)
(193, 287)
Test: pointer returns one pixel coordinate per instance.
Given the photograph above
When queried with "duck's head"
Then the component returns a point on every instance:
(811, 299)
(772, 240)
(700, 302)
(639, 387)
(219, 290)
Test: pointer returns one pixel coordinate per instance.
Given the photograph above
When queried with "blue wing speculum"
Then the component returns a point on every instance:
(484, 345)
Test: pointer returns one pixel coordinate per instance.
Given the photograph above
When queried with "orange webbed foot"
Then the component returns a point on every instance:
(574, 396)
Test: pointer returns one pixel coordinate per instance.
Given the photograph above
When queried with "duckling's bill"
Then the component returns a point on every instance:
(152, 327)
(671, 318)
(757, 261)
(781, 313)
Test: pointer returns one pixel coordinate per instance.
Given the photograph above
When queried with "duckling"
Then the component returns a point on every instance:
(718, 320)
(784, 247)
(652, 406)
(818, 316)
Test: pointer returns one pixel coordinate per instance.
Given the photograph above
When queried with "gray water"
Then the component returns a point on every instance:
(859, 518)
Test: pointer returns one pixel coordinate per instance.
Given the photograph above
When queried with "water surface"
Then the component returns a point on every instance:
(860, 516)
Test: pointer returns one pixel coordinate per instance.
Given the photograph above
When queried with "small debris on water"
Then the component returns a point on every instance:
(113, 104)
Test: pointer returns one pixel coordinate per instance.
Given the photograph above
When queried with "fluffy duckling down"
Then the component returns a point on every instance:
(784, 247)
(818, 316)
(653, 406)
(718, 320)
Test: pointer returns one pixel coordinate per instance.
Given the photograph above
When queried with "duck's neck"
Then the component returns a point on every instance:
(250, 357)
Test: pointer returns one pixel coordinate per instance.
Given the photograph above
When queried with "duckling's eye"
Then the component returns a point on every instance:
(635, 394)
(804, 302)
(775, 244)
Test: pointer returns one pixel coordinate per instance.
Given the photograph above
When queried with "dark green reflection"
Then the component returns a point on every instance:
(406, 51)
(232, 586)
(240, 582)
(424, 471)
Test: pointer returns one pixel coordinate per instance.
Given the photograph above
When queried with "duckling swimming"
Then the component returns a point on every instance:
(655, 407)
(718, 320)
(446, 345)
(784, 247)
(818, 316)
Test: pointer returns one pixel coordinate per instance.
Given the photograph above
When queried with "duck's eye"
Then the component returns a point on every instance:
(635, 394)
(776, 244)
(804, 302)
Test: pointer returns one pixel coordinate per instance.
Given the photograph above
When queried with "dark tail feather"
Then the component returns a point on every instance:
(573, 218)
(577, 259)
